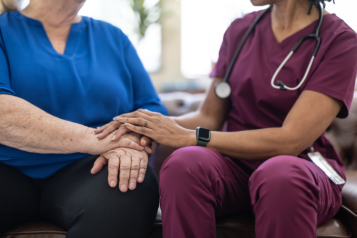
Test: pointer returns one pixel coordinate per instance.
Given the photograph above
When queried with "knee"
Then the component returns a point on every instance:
(184, 165)
(185, 160)
(281, 174)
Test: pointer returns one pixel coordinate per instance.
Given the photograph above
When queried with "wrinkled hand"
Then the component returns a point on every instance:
(127, 164)
(97, 147)
(116, 130)
(160, 128)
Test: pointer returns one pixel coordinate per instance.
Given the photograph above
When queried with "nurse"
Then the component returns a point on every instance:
(260, 162)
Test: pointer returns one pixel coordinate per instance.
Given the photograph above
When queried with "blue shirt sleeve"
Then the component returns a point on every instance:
(145, 96)
(5, 86)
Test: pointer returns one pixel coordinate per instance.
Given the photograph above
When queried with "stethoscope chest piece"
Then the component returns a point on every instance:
(223, 90)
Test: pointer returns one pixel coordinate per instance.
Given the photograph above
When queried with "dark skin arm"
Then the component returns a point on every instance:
(312, 113)
(211, 114)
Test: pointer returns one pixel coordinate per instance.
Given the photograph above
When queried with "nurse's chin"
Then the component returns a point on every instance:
(261, 2)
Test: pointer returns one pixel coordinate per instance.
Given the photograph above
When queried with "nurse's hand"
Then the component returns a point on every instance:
(126, 164)
(160, 128)
(116, 130)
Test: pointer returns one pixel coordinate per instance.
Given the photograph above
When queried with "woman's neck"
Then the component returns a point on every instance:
(54, 13)
(291, 16)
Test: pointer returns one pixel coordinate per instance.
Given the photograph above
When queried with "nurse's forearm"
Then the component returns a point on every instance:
(26, 127)
(307, 120)
(195, 119)
(256, 144)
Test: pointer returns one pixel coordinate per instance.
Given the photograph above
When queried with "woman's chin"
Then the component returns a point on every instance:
(261, 2)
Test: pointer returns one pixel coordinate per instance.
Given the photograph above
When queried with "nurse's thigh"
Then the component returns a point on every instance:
(197, 184)
(294, 193)
(19, 199)
(86, 206)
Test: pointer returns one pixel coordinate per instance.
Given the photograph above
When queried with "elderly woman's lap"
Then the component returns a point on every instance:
(83, 203)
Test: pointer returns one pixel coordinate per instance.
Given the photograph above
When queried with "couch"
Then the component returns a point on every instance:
(342, 133)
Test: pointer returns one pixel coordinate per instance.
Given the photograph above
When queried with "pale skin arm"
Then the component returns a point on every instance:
(28, 128)
(308, 119)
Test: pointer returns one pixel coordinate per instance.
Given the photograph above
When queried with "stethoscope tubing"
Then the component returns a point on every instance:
(280, 85)
(241, 44)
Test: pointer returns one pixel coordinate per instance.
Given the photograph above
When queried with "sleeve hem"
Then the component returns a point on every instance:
(7, 91)
(339, 96)
(216, 75)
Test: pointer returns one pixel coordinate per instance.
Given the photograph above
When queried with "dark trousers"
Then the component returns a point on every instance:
(79, 202)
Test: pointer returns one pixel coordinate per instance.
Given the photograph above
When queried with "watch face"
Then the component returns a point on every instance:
(203, 134)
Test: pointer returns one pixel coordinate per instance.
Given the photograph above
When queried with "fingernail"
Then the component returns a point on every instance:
(144, 143)
(140, 179)
(115, 136)
(132, 185)
(118, 118)
(123, 188)
(99, 134)
(112, 183)
(127, 124)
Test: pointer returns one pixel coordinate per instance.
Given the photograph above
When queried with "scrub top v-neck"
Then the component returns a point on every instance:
(255, 104)
(98, 77)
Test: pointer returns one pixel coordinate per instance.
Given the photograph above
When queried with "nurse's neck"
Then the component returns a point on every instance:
(54, 13)
(291, 16)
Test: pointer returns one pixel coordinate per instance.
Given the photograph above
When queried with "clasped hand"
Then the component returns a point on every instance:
(127, 164)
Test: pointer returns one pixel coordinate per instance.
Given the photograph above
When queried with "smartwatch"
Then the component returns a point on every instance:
(203, 136)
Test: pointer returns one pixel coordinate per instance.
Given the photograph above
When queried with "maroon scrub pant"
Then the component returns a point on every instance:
(289, 196)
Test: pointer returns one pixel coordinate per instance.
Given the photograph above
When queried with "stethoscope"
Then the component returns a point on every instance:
(223, 89)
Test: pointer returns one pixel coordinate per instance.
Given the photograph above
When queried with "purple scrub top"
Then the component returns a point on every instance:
(256, 104)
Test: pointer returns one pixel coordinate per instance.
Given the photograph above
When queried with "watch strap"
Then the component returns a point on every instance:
(202, 143)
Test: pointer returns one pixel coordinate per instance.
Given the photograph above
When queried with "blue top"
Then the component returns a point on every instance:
(98, 77)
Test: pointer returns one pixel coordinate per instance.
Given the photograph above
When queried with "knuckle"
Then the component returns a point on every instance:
(124, 167)
(112, 167)
(131, 144)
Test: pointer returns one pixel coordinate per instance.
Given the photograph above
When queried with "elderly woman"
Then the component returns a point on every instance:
(262, 161)
(61, 75)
